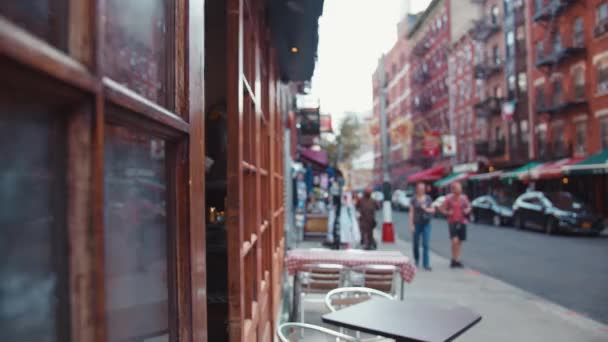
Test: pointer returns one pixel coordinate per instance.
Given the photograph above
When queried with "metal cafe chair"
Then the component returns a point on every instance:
(292, 332)
(379, 277)
(344, 297)
(320, 279)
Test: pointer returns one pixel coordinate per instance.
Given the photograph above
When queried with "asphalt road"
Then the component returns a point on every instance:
(571, 271)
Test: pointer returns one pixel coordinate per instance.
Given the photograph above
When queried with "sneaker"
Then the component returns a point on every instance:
(459, 264)
(428, 268)
(453, 264)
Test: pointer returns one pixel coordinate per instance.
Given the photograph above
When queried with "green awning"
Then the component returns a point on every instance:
(597, 164)
(449, 179)
(514, 174)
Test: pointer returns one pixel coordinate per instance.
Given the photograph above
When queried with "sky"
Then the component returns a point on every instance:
(353, 34)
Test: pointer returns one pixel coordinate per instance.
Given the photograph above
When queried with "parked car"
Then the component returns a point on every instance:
(498, 211)
(437, 203)
(401, 200)
(555, 212)
(378, 196)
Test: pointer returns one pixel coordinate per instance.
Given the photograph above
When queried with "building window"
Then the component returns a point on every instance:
(602, 13)
(581, 138)
(557, 137)
(522, 80)
(579, 83)
(604, 132)
(495, 55)
(524, 131)
(538, 5)
(540, 96)
(578, 39)
(34, 297)
(494, 15)
(512, 85)
(602, 75)
(557, 41)
(136, 245)
(558, 91)
(514, 140)
(510, 44)
(541, 137)
(540, 50)
(479, 88)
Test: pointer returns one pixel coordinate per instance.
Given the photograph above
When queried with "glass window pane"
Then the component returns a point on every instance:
(46, 19)
(135, 236)
(33, 290)
(138, 52)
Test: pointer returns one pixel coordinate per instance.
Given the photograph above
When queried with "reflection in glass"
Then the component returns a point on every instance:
(46, 19)
(135, 236)
(32, 235)
(138, 48)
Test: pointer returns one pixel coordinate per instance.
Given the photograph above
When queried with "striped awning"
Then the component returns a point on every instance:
(517, 173)
(596, 164)
(454, 177)
(485, 176)
(550, 170)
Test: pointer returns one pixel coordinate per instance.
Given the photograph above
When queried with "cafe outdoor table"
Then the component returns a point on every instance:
(296, 259)
(405, 321)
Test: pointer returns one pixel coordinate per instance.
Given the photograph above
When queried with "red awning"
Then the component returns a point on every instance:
(550, 170)
(319, 157)
(428, 175)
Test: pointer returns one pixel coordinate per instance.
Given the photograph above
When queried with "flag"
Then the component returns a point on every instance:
(508, 109)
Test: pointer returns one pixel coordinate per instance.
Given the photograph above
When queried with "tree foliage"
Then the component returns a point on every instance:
(346, 141)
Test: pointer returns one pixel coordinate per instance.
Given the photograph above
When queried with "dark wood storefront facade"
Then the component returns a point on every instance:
(105, 113)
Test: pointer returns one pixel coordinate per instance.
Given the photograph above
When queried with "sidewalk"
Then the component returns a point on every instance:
(509, 313)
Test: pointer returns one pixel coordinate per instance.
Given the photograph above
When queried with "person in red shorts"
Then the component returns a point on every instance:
(457, 208)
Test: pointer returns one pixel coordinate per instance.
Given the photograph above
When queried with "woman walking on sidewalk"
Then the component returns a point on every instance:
(420, 224)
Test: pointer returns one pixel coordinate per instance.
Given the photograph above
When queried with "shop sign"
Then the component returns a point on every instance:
(432, 144)
(465, 168)
(448, 143)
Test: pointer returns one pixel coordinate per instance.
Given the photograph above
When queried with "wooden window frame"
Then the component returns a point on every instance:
(76, 78)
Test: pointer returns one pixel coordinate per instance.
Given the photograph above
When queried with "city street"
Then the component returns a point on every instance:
(569, 270)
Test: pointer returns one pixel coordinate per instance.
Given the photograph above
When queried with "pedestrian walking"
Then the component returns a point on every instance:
(421, 211)
(343, 226)
(367, 220)
(457, 208)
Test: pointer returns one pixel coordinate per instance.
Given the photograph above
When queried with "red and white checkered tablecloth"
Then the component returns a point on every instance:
(297, 258)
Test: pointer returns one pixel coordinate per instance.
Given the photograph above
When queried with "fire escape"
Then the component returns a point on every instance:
(558, 55)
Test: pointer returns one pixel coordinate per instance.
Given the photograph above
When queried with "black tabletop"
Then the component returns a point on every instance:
(404, 321)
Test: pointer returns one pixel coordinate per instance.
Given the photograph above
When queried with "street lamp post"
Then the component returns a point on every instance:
(387, 224)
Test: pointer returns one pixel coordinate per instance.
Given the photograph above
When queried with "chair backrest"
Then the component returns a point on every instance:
(291, 332)
(346, 296)
(379, 277)
(322, 277)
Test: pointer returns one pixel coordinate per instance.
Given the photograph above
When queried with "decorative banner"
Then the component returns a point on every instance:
(326, 123)
(508, 109)
(432, 144)
(449, 145)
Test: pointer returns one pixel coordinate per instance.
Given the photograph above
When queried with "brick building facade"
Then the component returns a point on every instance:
(463, 96)
(430, 40)
(569, 52)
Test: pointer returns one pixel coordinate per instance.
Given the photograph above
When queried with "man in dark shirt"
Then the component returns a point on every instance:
(367, 209)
